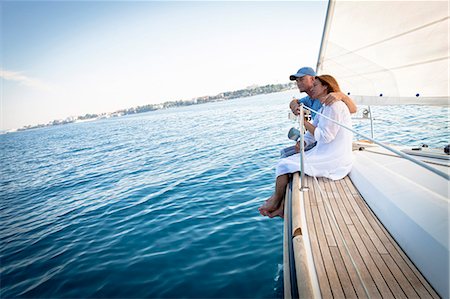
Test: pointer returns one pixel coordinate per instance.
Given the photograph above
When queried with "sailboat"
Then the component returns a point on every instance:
(383, 231)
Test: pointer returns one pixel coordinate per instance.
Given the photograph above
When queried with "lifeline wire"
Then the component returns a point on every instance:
(420, 163)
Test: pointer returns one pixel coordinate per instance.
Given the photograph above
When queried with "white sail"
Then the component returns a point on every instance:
(388, 52)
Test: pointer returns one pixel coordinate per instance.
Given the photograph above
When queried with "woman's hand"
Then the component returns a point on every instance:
(332, 98)
(340, 96)
(297, 146)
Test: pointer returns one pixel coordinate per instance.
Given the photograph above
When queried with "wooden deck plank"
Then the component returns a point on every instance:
(378, 277)
(353, 253)
(349, 267)
(396, 280)
(350, 213)
(414, 277)
(373, 246)
(325, 222)
(364, 276)
(310, 201)
(364, 230)
(378, 243)
(344, 277)
(400, 277)
(331, 272)
(352, 207)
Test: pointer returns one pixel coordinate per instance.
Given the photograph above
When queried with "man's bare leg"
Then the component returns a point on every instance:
(274, 201)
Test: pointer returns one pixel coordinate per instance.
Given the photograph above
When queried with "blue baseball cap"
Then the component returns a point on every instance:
(303, 72)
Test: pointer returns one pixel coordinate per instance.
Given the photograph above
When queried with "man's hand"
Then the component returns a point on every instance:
(294, 105)
(295, 108)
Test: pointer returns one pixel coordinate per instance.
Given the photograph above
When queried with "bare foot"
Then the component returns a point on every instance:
(269, 206)
(277, 213)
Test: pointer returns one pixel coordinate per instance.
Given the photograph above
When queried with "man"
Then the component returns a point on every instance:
(305, 77)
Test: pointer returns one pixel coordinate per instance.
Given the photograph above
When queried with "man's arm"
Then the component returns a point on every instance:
(340, 96)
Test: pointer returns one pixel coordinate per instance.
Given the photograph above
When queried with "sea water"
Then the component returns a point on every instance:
(161, 204)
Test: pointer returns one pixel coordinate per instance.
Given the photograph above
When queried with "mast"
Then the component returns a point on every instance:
(326, 30)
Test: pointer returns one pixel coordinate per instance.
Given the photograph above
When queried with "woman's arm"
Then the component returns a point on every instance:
(340, 96)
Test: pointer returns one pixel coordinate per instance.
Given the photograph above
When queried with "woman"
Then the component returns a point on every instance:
(330, 158)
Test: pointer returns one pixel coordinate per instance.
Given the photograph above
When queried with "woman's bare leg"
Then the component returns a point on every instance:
(278, 212)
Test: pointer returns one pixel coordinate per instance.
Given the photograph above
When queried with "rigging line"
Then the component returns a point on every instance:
(347, 250)
(418, 162)
(400, 66)
(395, 36)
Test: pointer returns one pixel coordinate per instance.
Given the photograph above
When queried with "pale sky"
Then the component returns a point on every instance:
(61, 58)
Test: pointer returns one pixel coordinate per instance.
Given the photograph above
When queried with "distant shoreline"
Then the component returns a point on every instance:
(241, 93)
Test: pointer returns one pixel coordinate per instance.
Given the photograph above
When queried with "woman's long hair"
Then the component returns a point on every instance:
(329, 82)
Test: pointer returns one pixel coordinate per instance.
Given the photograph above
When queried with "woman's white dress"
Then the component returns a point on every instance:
(332, 156)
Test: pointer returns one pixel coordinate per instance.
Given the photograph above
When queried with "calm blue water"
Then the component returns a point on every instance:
(162, 204)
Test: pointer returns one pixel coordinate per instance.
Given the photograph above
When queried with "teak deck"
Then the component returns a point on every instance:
(353, 254)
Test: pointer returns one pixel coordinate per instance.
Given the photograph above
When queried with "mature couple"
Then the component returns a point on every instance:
(331, 157)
